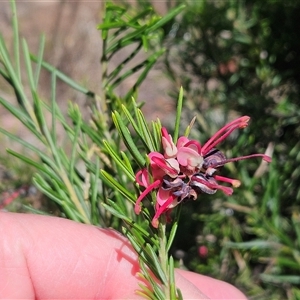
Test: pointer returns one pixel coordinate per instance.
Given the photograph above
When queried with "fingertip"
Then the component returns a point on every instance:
(212, 288)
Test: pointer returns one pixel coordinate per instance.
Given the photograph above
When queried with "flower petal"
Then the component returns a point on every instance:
(162, 209)
(162, 196)
(221, 134)
(233, 182)
(168, 166)
(189, 157)
(199, 180)
(170, 150)
(194, 145)
(137, 207)
(182, 141)
(142, 177)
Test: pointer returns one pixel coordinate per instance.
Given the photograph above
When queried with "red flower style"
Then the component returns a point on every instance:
(186, 170)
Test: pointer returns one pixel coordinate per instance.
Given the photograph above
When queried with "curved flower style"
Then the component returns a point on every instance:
(187, 169)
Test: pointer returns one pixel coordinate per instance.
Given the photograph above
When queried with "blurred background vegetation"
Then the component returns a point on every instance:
(232, 58)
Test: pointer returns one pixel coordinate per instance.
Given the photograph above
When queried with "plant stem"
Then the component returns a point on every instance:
(163, 255)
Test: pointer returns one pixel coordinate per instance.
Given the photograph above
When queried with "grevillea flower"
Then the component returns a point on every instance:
(187, 169)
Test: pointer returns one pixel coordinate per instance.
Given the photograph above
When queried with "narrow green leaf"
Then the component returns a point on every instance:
(110, 7)
(143, 253)
(16, 38)
(172, 236)
(138, 248)
(144, 292)
(64, 78)
(178, 115)
(36, 211)
(127, 163)
(71, 213)
(179, 294)
(133, 22)
(54, 113)
(42, 186)
(128, 39)
(129, 173)
(156, 130)
(113, 211)
(28, 66)
(151, 61)
(288, 262)
(75, 144)
(147, 135)
(280, 279)
(22, 117)
(121, 66)
(133, 70)
(172, 279)
(111, 25)
(30, 162)
(113, 183)
(189, 127)
(280, 234)
(147, 236)
(147, 12)
(123, 130)
(296, 224)
(157, 287)
(157, 263)
(94, 193)
(22, 142)
(145, 42)
(14, 79)
(254, 244)
(39, 61)
(165, 19)
(128, 115)
(137, 235)
(3, 72)
(141, 127)
(34, 115)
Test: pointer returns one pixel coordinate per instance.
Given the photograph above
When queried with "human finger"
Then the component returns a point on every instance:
(54, 258)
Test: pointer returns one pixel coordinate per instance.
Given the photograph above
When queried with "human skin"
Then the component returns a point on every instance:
(53, 258)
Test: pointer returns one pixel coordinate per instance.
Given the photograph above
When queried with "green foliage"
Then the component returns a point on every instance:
(242, 58)
(84, 171)
(121, 30)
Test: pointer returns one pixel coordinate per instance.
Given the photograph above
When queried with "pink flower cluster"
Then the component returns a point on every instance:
(187, 169)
